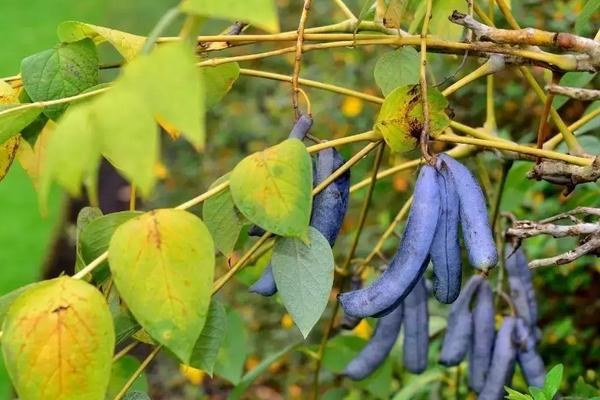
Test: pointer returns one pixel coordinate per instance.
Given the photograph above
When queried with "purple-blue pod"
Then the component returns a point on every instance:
(265, 285)
(328, 210)
(445, 249)
(349, 322)
(459, 329)
(301, 127)
(521, 286)
(408, 263)
(416, 328)
(532, 365)
(474, 221)
(378, 348)
(503, 362)
(484, 333)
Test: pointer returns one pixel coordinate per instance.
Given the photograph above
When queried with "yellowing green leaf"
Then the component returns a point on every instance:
(73, 151)
(129, 136)
(304, 277)
(66, 70)
(400, 119)
(169, 85)
(127, 44)
(58, 342)
(234, 349)
(218, 81)
(439, 25)
(15, 117)
(8, 151)
(262, 13)
(272, 188)
(223, 220)
(162, 263)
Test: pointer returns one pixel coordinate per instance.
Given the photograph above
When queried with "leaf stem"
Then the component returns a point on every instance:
(125, 351)
(298, 56)
(342, 6)
(138, 372)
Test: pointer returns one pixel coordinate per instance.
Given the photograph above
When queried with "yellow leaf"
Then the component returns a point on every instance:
(193, 375)
(8, 151)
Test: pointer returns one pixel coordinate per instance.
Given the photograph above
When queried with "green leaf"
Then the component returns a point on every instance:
(538, 394)
(553, 379)
(58, 341)
(582, 22)
(304, 277)
(169, 85)
(250, 274)
(207, 346)
(257, 371)
(400, 119)
(420, 384)
(262, 13)
(162, 263)
(272, 188)
(95, 238)
(121, 371)
(234, 350)
(74, 135)
(397, 68)
(582, 388)
(218, 81)
(66, 70)
(127, 44)
(439, 24)
(379, 383)
(223, 219)
(129, 136)
(340, 350)
(84, 217)
(513, 395)
(15, 117)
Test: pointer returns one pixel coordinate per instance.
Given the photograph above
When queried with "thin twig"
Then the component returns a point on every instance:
(345, 9)
(424, 139)
(137, 373)
(592, 245)
(574, 92)
(298, 56)
(125, 351)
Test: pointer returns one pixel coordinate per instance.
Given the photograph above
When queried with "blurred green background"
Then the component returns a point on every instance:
(257, 113)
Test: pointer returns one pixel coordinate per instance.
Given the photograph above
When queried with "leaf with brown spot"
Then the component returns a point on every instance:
(8, 151)
(400, 120)
(162, 263)
(58, 341)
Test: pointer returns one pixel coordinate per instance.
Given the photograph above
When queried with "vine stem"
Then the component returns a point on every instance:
(163, 23)
(361, 222)
(556, 139)
(298, 56)
(138, 372)
(500, 145)
(125, 351)
(424, 140)
(342, 6)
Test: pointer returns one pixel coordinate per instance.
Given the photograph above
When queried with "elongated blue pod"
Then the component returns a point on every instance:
(378, 348)
(416, 328)
(408, 264)
(530, 361)
(522, 293)
(459, 330)
(484, 333)
(474, 221)
(503, 362)
(445, 249)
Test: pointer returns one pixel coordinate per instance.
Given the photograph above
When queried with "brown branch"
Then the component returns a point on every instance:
(574, 92)
(527, 229)
(590, 246)
(568, 175)
(298, 56)
(533, 37)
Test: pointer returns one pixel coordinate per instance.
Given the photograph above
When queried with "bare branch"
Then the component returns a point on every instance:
(561, 173)
(592, 245)
(526, 229)
(574, 92)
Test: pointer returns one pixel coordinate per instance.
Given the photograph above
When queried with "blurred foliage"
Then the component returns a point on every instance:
(257, 113)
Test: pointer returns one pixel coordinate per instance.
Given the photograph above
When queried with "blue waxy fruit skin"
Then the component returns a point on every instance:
(349, 322)
(445, 249)
(457, 339)
(416, 328)
(532, 365)
(378, 348)
(476, 230)
(521, 286)
(301, 127)
(484, 334)
(328, 210)
(407, 266)
(503, 362)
